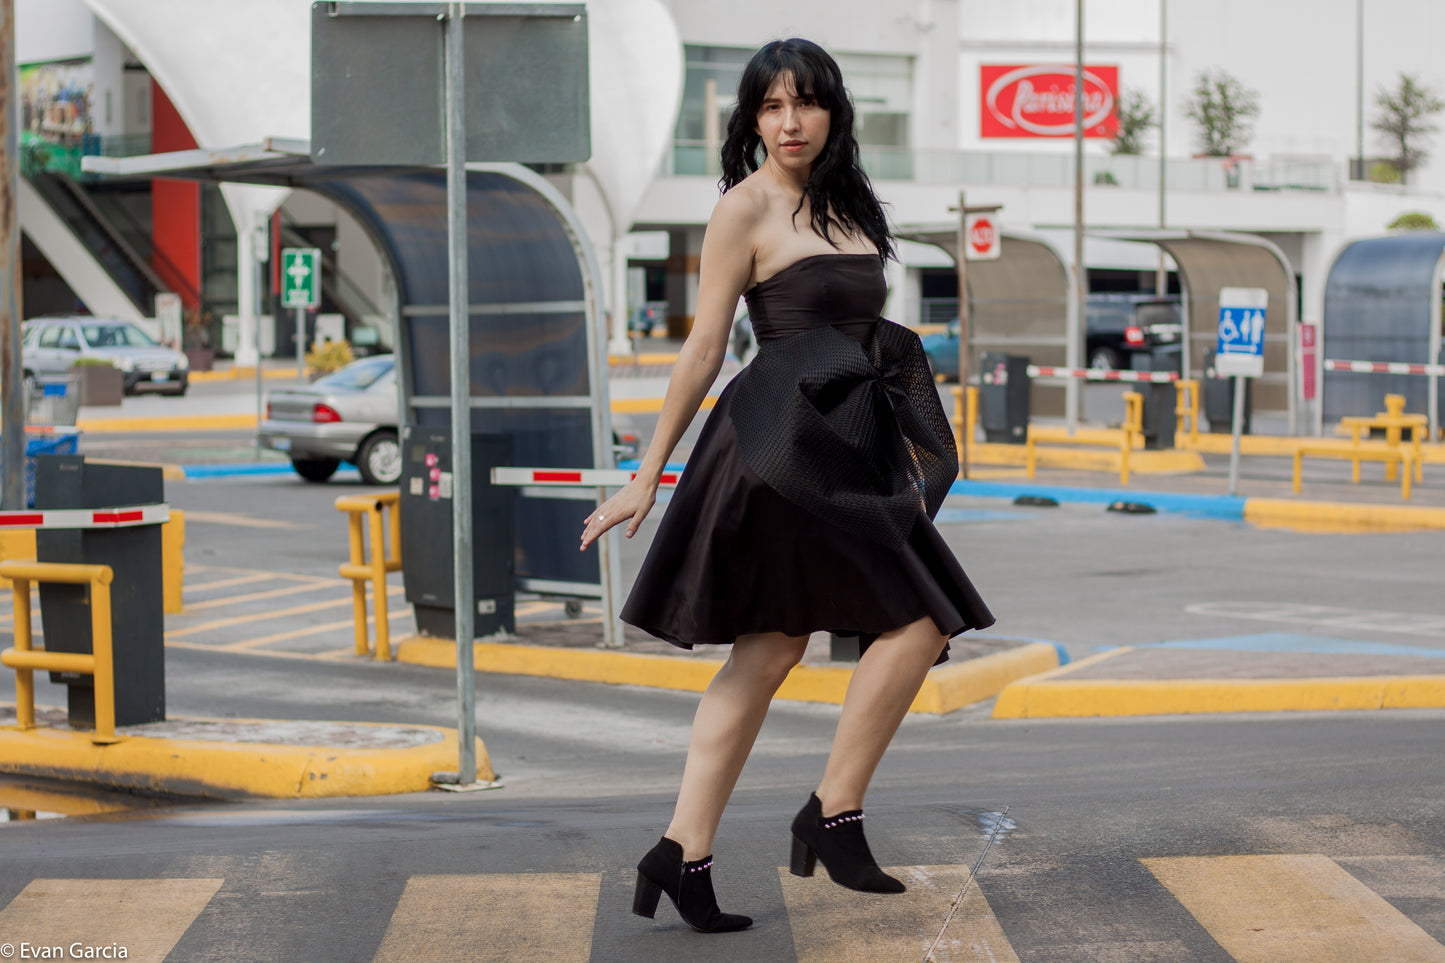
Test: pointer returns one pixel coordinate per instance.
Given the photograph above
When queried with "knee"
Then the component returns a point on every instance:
(768, 660)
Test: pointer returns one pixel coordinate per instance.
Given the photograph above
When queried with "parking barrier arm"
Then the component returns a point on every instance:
(26, 660)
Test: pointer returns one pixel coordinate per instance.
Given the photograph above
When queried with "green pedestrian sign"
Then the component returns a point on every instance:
(300, 277)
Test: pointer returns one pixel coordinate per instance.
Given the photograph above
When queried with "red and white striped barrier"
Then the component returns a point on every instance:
(1385, 367)
(1102, 374)
(87, 517)
(574, 477)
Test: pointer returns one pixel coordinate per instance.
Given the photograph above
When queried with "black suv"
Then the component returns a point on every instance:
(1119, 327)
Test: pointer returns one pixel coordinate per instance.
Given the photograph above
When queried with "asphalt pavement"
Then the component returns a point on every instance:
(1274, 836)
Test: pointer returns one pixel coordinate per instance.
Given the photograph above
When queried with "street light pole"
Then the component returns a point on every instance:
(1081, 285)
(1161, 274)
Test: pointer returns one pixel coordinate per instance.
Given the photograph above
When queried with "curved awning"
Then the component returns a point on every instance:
(1383, 303)
(536, 365)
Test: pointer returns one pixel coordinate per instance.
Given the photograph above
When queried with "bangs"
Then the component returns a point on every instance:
(815, 75)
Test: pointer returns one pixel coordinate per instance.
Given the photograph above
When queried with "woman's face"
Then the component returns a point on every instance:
(793, 129)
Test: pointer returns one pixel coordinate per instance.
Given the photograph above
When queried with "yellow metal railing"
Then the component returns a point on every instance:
(964, 424)
(1186, 408)
(26, 660)
(373, 515)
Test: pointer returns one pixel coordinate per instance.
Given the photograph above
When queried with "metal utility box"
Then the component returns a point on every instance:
(1003, 398)
(426, 532)
(1219, 399)
(136, 594)
(1159, 397)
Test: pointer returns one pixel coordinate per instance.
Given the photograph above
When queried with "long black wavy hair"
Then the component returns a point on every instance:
(839, 193)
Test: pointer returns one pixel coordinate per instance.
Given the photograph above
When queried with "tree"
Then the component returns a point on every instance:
(1136, 116)
(1403, 121)
(1413, 221)
(1221, 108)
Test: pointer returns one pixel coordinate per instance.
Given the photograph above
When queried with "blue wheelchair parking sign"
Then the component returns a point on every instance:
(1240, 348)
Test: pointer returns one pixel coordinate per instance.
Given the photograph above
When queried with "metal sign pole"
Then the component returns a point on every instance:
(12, 386)
(1238, 428)
(461, 379)
(963, 439)
(300, 344)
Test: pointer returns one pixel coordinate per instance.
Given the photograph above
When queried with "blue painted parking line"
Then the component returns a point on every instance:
(253, 468)
(1223, 507)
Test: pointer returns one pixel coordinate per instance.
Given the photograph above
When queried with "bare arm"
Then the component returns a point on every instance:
(724, 271)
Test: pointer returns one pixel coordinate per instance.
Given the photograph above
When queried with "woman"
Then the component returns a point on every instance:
(807, 503)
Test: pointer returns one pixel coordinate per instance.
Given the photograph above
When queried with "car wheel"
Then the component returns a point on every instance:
(379, 459)
(1104, 359)
(315, 469)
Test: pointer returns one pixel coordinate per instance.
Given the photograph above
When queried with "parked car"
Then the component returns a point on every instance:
(1119, 331)
(744, 343)
(349, 415)
(1119, 328)
(50, 346)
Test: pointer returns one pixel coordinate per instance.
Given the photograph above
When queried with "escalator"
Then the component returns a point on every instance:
(99, 240)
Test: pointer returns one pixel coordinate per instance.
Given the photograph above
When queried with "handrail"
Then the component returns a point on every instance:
(26, 660)
(361, 569)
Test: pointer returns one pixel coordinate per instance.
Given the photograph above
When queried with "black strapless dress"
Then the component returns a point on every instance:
(808, 502)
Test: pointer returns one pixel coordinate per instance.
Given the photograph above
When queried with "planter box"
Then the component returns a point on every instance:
(100, 384)
(201, 359)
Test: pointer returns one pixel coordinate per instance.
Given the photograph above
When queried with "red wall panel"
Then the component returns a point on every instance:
(175, 206)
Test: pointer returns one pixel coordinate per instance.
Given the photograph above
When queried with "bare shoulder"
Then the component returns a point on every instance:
(743, 207)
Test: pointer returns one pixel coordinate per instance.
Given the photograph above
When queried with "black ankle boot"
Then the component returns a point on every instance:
(688, 885)
(839, 842)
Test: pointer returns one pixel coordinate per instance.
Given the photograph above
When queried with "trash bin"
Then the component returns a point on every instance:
(1003, 398)
(136, 593)
(1159, 398)
(426, 533)
(1219, 399)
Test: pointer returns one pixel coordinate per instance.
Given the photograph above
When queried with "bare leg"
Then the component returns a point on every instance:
(723, 732)
(883, 686)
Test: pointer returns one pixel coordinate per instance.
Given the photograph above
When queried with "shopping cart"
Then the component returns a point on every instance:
(54, 401)
(63, 440)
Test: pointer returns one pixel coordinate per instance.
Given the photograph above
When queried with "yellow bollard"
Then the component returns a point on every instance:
(1186, 408)
(361, 569)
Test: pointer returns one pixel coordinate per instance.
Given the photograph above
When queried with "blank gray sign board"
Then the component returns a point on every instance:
(376, 83)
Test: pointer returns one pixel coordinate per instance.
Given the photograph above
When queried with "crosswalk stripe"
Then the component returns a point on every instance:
(147, 917)
(504, 917)
(838, 925)
(1292, 909)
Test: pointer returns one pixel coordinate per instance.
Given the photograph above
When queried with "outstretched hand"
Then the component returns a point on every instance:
(630, 505)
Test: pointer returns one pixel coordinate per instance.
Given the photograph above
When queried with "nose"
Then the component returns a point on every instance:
(790, 119)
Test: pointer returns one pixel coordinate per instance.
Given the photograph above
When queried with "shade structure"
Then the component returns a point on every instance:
(1383, 303)
(1017, 304)
(536, 369)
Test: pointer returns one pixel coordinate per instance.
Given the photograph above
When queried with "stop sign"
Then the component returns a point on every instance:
(981, 237)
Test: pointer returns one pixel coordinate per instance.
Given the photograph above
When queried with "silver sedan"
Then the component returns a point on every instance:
(349, 415)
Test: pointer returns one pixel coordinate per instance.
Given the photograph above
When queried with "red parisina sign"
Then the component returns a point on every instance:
(1037, 100)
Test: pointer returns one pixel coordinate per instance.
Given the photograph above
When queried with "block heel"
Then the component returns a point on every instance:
(645, 897)
(804, 859)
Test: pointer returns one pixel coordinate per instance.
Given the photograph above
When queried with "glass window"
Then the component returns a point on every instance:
(881, 85)
(115, 334)
(359, 375)
(67, 339)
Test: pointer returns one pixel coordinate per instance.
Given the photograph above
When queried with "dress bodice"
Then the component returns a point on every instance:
(846, 291)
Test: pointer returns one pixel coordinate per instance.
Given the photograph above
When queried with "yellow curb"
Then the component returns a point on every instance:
(657, 357)
(167, 423)
(636, 406)
(227, 770)
(239, 374)
(1054, 695)
(1341, 516)
(1167, 462)
(945, 689)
